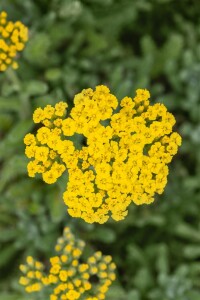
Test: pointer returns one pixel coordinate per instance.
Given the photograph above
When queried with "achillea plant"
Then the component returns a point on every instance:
(125, 158)
(13, 37)
(69, 277)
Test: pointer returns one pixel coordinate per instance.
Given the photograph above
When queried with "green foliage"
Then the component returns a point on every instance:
(124, 44)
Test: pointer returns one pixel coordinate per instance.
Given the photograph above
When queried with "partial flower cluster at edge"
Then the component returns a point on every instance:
(68, 276)
(13, 37)
(128, 145)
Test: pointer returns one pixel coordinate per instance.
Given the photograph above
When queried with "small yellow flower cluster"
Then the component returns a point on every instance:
(125, 158)
(68, 277)
(46, 147)
(13, 37)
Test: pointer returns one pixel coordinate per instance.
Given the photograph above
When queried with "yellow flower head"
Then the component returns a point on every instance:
(125, 157)
(13, 37)
(68, 276)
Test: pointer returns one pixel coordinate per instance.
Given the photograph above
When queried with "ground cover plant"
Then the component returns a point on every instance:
(125, 45)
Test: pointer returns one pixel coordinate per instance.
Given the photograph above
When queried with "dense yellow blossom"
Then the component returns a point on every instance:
(125, 157)
(68, 276)
(13, 37)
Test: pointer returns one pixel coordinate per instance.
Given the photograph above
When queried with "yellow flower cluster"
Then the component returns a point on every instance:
(69, 277)
(13, 37)
(47, 148)
(125, 158)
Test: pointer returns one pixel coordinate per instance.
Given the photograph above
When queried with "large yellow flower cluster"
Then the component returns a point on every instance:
(13, 37)
(125, 158)
(68, 277)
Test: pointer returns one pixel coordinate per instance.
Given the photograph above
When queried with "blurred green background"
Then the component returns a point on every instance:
(125, 44)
